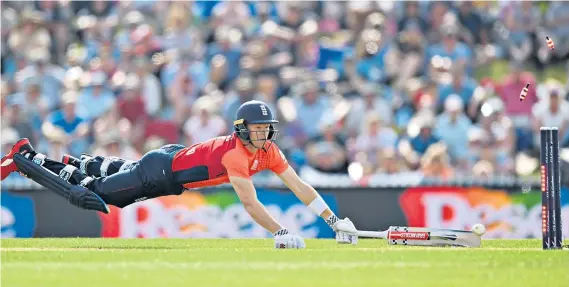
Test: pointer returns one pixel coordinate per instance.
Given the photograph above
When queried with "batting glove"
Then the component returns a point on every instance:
(346, 232)
(283, 239)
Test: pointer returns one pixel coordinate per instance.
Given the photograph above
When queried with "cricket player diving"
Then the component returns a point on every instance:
(92, 182)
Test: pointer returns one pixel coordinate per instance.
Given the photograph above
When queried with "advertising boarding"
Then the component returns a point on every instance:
(215, 213)
(505, 214)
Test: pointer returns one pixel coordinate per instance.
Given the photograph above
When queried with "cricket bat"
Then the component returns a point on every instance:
(398, 235)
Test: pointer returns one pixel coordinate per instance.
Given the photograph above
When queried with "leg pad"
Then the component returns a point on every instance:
(76, 195)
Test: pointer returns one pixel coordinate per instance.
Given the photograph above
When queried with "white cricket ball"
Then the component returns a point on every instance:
(478, 229)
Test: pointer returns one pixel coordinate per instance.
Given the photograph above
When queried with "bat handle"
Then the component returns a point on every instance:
(374, 234)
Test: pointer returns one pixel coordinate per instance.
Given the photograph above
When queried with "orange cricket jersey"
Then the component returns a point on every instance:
(212, 162)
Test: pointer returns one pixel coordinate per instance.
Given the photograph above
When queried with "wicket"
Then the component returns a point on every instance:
(552, 236)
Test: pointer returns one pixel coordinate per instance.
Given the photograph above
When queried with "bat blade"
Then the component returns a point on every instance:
(421, 236)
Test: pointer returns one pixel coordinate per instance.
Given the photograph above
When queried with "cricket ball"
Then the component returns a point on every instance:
(478, 229)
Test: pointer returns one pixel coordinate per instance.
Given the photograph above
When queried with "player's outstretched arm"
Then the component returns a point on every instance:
(248, 196)
(344, 228)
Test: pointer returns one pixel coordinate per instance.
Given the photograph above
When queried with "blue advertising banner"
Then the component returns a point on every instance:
(16, 215)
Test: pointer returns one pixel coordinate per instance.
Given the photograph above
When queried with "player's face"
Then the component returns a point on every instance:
(258, 134)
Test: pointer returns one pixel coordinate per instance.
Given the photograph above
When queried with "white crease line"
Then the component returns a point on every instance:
(246, 265)
(190, 249)
(40, 249)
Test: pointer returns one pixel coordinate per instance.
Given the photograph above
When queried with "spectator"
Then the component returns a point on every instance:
(459, 53)
(436, 163)
(95, 99)
(203, 124)
(178, 35)
(33, 103)
(31, 35)
(522, 19)
(424, 139)
(462, 85)
(388, 162)
(266, 92)
(107, 60)
(231, 13)
(218, 72)
(412, 18)
(73, 129)
(551, 112)
(227, 43)
(377, 57)
(55, 16)
(493, 139)
(131, 103)
(99, 9)
(291, 15)
(131, 21)
(375, 137)
(245, 91)
(451, 128)
(410, 45)
(471, 20)
(436, 20)
(113, 144)
(372, 101)
(183, 94)
(149, 86)
(146, 42)
(509, 91)
(113, 121)
(93, 35)
(326, 152)
(57, 144)
(14, 118)
(9, 137)
(306, 49)
(311, 107)
(186, 64)
(40, 71)
(556, 22)
(332, 13)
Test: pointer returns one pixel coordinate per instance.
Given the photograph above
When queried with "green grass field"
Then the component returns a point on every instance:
(227, 262)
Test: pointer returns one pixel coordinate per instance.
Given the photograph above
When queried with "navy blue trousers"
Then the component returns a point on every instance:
(149, 177)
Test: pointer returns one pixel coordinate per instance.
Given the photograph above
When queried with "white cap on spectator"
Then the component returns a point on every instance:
(9, 18)
(69, 97)
(496, 103)
(375, 21)
(134, 18)
(371, 89)
(453, 103)
(9, 136)
(269, 28)
(373, 118)
(309, 27)
(360, 6)
(86, 22)
(98, 79)
(173, 55)
(475, 134)
(203, 103)
(449, 30)
(132, 82)
(39, 55)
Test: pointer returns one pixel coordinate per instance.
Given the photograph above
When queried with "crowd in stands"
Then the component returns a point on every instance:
(374, 86)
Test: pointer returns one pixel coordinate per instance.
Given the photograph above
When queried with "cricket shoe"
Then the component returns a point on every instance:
(7, 164)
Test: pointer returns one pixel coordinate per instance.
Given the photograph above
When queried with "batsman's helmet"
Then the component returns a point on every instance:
(254, 112)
